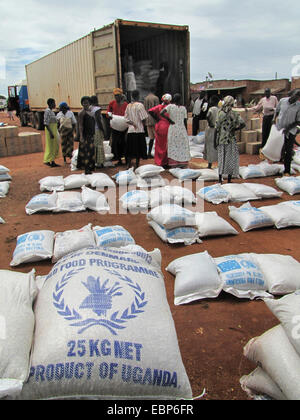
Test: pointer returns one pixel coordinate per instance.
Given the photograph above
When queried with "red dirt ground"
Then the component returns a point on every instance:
(212, 332)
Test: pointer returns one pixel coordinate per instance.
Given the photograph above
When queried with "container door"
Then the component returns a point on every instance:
(106, 63)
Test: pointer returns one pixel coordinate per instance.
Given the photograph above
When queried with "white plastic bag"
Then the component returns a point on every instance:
(249, 218)
(242, 276)
(196, 278)
(52, 183)
(72, 240)
(94, 200)
(273, 147)
(211, 224)
(112, 236)
(41, 203)
(33, 246)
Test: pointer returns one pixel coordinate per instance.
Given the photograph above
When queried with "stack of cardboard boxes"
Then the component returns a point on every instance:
(250, 137)
(13, 143)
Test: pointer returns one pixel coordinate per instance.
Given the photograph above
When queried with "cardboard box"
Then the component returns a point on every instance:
(242, 147)
(253, 148)
(9, 131)
(259, 135)
(255, 123)
(3, 148)
(249, 136)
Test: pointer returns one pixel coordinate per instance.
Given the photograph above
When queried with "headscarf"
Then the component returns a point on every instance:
(63, 105)
(167, 98)
(118, 91)
(228, 104)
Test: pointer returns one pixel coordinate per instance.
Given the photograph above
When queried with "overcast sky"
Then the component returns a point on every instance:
(231, 39)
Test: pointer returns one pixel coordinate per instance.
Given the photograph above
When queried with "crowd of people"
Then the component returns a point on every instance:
(164, 121)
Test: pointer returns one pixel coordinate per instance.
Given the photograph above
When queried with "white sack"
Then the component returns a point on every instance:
(100, 181)
(41, 202)
(75, 181)
(282, 272)
(5, 177)
(4, 188)
(125, 177)
(160, 196)
(181, 195)
(287, 311)
(249, 218)
(239, 192)
(263, 191)
(290, 184)
(273, 147)
(72, 240)
(94, 200)
(52, 183)
(258, 383)
(214, 194)
(104, 330)
(4, 170)
(283, 216)
(251, 171)
(18, 291)
(171, 216)
(118, 123)
(69, 201)
(150, 182)
(211, 224)
(112, 236)
(278, 358)
(183, 174)
(135, 200)
(146, 171)
(196, 278)
(209, 175)
(242, 276)
(33, 246)
(186, 235)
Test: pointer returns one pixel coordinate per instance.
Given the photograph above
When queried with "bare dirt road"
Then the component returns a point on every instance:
(211, 332)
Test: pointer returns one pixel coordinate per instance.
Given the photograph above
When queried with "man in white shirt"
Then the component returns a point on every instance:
(199, 111)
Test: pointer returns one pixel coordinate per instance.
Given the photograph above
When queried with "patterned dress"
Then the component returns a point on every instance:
(178, 140)
(86, 149)
(227, 124)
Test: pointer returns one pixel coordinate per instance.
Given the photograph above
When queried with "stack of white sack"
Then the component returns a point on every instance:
(149, 176)
(5, 174)
(174, 224)
(97, 317)
(277, 353)
(197, 145)
(45, 244)
(18, 291)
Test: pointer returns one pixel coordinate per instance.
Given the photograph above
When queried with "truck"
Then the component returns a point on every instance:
(154, 55)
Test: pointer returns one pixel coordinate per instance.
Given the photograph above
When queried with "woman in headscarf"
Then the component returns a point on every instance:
(210, 153)
(117, 107)
(86, 149)
(100, 132)
(161, 132)
(66, 127)
(227, 123)
(178, 140)
(51, 135)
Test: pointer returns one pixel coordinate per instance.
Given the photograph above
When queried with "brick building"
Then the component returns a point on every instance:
(243, 90)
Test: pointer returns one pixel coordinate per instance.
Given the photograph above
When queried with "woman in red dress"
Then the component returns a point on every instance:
(161, 132)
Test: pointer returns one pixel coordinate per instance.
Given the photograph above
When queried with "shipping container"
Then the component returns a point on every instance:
(101, 61)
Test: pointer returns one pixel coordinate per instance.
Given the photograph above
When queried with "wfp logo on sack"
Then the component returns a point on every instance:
(98, 308)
